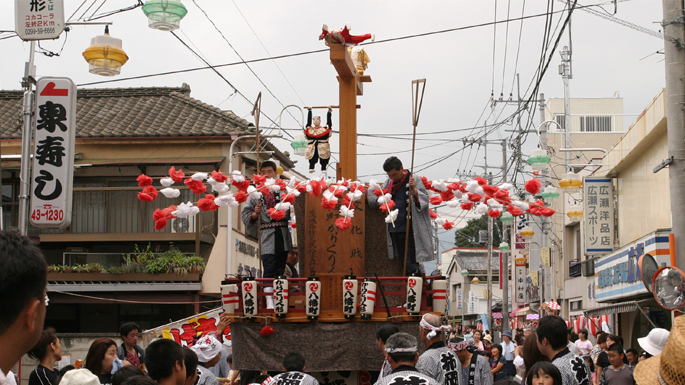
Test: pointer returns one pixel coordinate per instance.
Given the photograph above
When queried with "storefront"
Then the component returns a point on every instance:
(620, 292)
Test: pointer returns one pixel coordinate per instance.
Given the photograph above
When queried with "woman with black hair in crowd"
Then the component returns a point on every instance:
(47, 351)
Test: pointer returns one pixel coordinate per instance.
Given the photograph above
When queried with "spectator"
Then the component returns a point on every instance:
(47, 351)
(102, 359)
(291, 264)
(530, 353)
(190, 361)
(529, 330)
(139, 380)
(233, 375)
(23, 274)
(655, 341)
(79, 377)
(571, 346)
(631, 355)
(508, 352)
(603, 359)
(382, 334)
(497, 363)
(208, 350)
(618, 373)
(165, 362)
(667, 367)
(487, 342)
(475, 369)
(129, 349)
(403, 352)
(644, 356)
(600, 346)
(64, 371)
(544, 373)
(552, 341)
(221, 369)
(477, 335)
(123, 374)
(591, 365)
(294, 366)
(438, 361)
(583, 344)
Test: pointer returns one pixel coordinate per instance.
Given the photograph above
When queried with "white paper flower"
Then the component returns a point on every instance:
(520, 204)
(472, 186)
(345, 212)
(224, 200)
(237, 176)
(393, 215)
(329, 195)
(481, 209)
(170, 192)
(166, 182)
(199, 176)
(253, 192)
(506, 186)
(440, 221)
(458, 194)
(373, 185)
(494, 204)
(454, 203)
(185, 210)
(355, 196)
(440, 185)
(453, 180)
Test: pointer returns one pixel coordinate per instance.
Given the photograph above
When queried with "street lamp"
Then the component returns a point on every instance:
(299, 145)
(506, 218)
(105, 55)
(504, 247)
(538, 159)
(164, 15)
(550, 194)
(475, 280)
(570, 182)
(527, 233)
(575, 213)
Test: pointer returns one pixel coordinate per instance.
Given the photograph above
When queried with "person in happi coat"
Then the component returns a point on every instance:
(403, 186)
(475, 369)
(384, 332)
(438, 361)
(403, 353)
(294, 367)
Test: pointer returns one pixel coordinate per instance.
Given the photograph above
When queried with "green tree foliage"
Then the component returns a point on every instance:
(468, 236)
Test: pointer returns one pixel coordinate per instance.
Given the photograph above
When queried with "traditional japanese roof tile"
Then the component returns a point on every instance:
(476, 260)
(134, 112)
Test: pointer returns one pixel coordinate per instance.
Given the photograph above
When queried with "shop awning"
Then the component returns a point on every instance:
(621, 307)
(522, 311)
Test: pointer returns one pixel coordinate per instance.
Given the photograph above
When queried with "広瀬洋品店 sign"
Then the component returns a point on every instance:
(53, 152)
(38, 19)
(599, 215)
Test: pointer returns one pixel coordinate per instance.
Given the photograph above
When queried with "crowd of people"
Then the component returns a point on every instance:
(535, 356)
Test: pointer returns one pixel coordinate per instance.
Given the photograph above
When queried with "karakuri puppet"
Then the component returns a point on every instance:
(342, 36)
(318, 148)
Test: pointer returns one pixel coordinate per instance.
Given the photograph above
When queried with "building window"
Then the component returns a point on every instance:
(595, 124)
(560, 119)
(576, 305)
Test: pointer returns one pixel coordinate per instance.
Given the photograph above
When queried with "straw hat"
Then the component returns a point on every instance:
(488, 338)
(666, 367)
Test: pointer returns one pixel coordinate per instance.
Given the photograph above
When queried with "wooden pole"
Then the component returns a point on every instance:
(416, 104)
(256, 111)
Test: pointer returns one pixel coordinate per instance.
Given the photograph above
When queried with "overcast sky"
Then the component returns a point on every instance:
(608, 59)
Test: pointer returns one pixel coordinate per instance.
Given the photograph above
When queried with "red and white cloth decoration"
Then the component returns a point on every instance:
(552, 305)
(532, 317)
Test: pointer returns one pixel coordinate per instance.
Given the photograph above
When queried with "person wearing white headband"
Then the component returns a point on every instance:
(403, 353)
(438, 361)
(475, 369)
(208, 350)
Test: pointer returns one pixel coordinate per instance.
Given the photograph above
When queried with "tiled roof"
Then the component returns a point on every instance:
(476, 260)
(134, 112)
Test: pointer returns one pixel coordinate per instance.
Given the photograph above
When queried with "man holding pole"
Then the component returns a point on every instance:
(409, 235)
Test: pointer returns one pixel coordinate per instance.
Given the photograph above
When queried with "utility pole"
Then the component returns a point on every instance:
(489, 312)
(565, 72)
(27, 114)
(437, 243)
(674, 51)
(504, 270)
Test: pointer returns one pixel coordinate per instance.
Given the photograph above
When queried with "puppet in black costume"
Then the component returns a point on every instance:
(318, 148)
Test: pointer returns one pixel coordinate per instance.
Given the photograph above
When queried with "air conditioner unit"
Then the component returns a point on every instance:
(588, 268)
(183, 225)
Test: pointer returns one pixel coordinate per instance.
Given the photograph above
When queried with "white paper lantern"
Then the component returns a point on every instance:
(313, 298)
(440, 295)
(368, 298)
(249, 289)
(281, 296)
(229, 298)
(350, 285)
(414, 291)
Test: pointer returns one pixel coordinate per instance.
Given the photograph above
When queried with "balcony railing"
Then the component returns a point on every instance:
(116, 210)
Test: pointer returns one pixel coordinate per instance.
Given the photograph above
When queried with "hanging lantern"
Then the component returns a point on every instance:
(570, 182)
(575, 213)
(440, 295)
(506, 217)
(313, 298)
(504, 246)
(105, 55)
(527, 232)
(368, 298)
(414, 291)
(164, 15)
(249, 288)
(281, 296)
(299, 145)
(229, 298)
(475, 280)
(520, 260)
(538, 159)
(550, 193)
(350, 285)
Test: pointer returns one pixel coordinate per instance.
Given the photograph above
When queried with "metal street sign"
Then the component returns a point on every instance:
(53, 153)
(38, 19)
(599, 215)
(545, 256)
(520, 283)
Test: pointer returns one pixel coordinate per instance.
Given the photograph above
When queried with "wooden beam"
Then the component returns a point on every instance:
(342, 61)
(348, 128)
(118, 237)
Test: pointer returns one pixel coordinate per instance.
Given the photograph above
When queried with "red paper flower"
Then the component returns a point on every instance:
(448, 225)
(481, 181)
(264, 190)
(293, 225)
(436, 200)
(276, 215)
(329, 205)
(207, 203)
(343, 223)
(379, 193)
(432, 214)
(177, 176)
(144, 180)
(533, 186)
(515, 211)
(258, 179)
(219, 176)
(160, 224)
(240, 196)
(195, 186)
(338, 193)
(302, 188)
(317, 188)
(466, 206)
(446, 195)
(494, 213)
(453, 186)
(391, 205)
(535, 211)
(287, 198)
(474, 197)
(158, 214)
(490, 190)
(346, 201)
(266, 331)
(547, 212)
(502, 196)
(242, 186)
(427, 183)
(148, 195)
